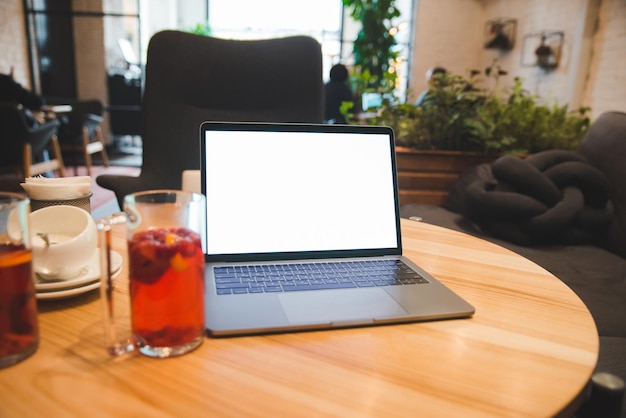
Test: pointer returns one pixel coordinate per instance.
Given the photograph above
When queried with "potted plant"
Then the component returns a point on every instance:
(373, 48)
(202, 28)
(460, 125)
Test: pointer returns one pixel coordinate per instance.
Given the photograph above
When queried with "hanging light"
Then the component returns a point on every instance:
(545, 55)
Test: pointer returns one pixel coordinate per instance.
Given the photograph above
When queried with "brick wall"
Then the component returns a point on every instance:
(606, 87)
(13, 41)
(447, 33)
(592, 71)
(90, 57)
(563, 83)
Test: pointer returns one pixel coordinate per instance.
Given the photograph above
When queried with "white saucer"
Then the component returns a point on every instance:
(88, 274)
(66, 293)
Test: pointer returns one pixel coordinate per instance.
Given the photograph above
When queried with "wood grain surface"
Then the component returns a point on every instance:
(529, 351)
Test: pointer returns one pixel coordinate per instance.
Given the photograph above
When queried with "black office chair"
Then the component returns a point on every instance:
(23, 146)
(81, 133)
(192, 78)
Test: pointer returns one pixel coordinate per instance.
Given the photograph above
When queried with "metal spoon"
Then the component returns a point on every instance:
(44, 237)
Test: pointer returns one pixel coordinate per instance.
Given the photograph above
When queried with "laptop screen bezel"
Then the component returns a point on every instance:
(303, 127)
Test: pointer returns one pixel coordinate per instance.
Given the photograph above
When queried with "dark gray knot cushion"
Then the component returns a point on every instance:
(552, 197)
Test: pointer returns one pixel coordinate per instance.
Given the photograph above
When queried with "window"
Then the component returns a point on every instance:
(253, 19)
(323, 20)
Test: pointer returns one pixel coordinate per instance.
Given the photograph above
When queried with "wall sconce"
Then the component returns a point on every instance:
(500, 34)
(542, 49)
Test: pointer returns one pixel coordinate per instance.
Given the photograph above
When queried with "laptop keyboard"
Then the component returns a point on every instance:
(313, 276)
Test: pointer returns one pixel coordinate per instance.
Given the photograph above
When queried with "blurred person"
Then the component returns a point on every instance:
(337, 91)
(430, 78)
(14, 93)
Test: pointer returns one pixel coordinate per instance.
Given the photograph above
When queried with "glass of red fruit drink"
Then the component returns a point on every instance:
(166, 271)
(19, 329)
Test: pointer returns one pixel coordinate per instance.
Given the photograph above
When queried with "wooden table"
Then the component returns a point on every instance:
(528, 351)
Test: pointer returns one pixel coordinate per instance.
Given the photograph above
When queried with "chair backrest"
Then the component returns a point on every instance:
(84, 113)
(15, 133)
(192, 78)
(604, 146)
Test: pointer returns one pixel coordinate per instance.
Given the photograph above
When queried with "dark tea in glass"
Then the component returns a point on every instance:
(19, 330)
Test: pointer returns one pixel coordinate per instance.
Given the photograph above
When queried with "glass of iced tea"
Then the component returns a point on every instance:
(166, 271)
(19, 330)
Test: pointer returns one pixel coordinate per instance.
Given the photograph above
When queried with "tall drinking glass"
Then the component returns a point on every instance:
(19, 329)
(166, 270)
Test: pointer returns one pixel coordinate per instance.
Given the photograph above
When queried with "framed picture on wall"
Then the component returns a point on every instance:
(500, 34)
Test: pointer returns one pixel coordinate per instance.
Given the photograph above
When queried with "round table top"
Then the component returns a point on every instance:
(529, 350)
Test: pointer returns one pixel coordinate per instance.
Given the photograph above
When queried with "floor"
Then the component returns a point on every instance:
(107, 209)
(126, 154)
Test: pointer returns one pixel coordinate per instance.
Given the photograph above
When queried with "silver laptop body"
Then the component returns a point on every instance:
(297, 197)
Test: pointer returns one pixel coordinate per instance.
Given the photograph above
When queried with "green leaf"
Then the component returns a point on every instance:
(456, 115)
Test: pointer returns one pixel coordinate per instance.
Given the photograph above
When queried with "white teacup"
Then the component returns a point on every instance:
(64, 239)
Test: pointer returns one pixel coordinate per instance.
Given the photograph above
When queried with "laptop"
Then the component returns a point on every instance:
(303, 232)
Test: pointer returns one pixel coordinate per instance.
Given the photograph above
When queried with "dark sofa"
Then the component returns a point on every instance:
(593, 264)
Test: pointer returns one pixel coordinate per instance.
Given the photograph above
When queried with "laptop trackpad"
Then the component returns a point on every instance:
(338, 305)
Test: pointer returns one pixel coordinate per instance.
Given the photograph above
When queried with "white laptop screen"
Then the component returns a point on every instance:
(293, 191)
